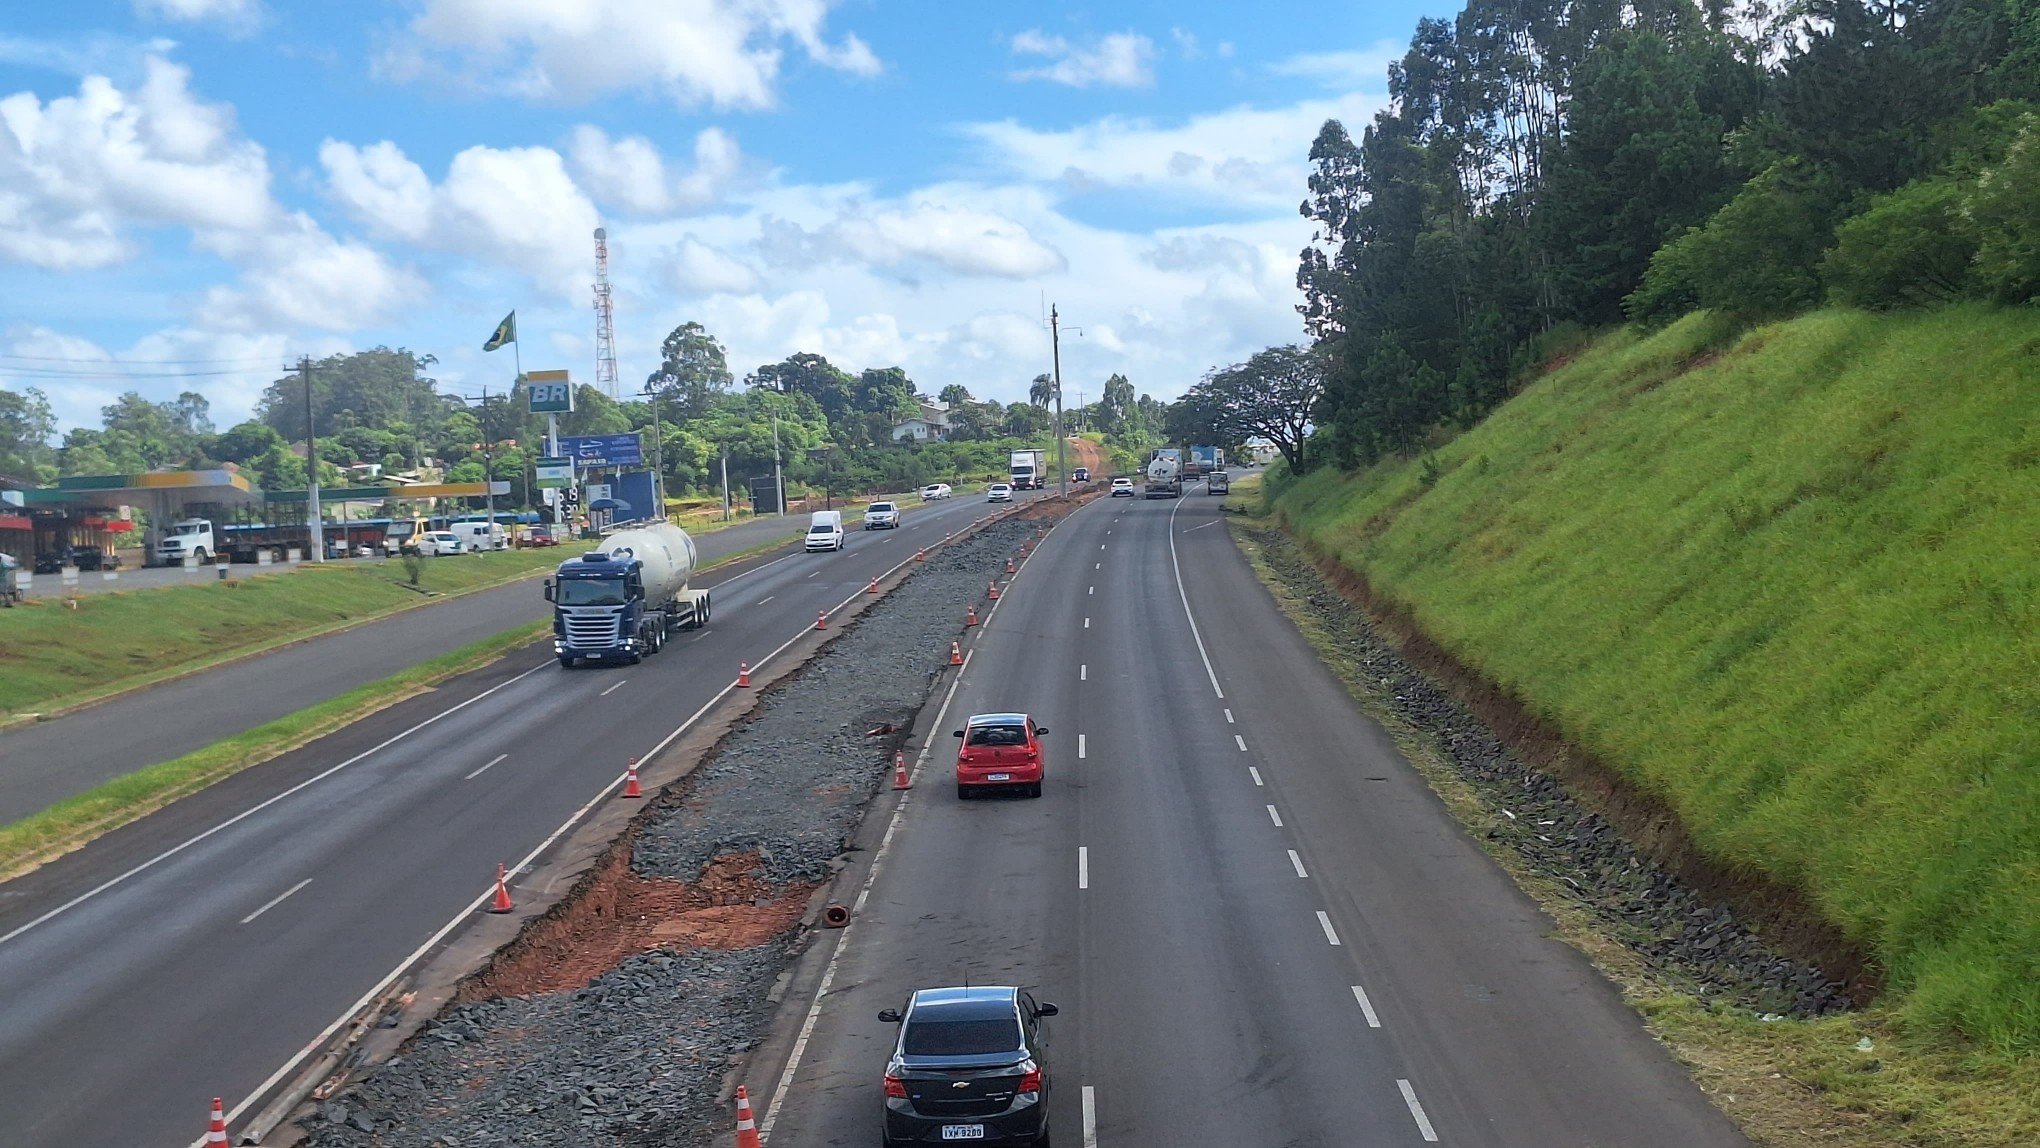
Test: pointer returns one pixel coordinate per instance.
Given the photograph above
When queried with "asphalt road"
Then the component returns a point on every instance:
(1261, 926)
(134, 576)
(193, 953)
(45, 762)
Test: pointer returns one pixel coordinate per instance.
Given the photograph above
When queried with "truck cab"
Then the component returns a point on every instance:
(187, 537)
(619, 603)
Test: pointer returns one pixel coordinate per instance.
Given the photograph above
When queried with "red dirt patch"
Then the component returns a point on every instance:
(618, 914)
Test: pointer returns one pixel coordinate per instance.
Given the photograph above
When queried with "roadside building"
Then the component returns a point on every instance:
(929, 424)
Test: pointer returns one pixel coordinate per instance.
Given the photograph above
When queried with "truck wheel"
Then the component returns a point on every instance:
(567, 661)
(203, 557)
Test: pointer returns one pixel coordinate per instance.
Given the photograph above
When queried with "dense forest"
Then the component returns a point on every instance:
(1545, 168)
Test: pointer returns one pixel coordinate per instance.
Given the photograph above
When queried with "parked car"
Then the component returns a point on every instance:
(935, 490)
(970, 1064)
(1081, 474)
(480, 536)
(541, 536)
(999, 492)
(882, 516)
(824, 532)
(433, 543)
(1000, 751)
(94, 558)
(1123, 488)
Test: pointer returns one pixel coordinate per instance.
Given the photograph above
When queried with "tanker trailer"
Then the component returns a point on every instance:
(619, 602)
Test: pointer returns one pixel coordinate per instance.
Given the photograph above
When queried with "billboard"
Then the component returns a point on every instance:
(549, 392)
(604, 449)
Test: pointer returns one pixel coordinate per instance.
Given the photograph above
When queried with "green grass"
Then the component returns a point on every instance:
(1789, 582)
(71, 823)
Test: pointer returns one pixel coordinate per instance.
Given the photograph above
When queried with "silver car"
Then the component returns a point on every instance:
(999, 492)
(882, 516)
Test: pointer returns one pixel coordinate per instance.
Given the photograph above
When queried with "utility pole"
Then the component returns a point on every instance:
(725, 486)
(778, 479)
(318, 527)
(488, 455)
(1055, 349)
(658, 454)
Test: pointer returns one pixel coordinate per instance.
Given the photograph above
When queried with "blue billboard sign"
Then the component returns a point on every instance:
(604, 449)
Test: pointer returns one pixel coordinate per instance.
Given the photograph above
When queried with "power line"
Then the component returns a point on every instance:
(144, 362)
(11, 372)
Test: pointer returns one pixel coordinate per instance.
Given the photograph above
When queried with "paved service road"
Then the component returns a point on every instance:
(193, 953)
(43, 763)
(1260, 925)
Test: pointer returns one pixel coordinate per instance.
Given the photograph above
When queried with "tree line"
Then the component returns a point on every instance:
(1546, 167)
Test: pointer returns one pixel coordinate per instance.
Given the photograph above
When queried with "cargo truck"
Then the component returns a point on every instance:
(1207, 459)
(618, 603)
(206, 540)
(1028, 469)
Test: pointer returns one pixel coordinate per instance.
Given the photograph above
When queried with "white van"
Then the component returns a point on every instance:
(479, 536)
(825, 531)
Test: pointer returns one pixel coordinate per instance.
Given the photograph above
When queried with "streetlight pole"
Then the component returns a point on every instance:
(1055, 350)
(658, 453)
(318, 527)
(778, 477)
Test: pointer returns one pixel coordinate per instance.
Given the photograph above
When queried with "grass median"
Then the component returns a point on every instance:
(72, 823)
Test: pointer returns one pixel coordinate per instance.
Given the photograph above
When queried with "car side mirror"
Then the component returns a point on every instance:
(889, 1016)
(956, 733)
(548, 589)
(1041, 731)
(1046, 1009)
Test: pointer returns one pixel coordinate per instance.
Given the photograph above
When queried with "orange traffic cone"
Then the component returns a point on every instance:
(970, 618)
(955, 654)
(501, 902)
(630, 780)
(747, 1129)
(821, 619)
(920, 555)
(744, 675)
(216, 1132)
(873, 588)
(1009, 566)
(899, 771)
(992, 591)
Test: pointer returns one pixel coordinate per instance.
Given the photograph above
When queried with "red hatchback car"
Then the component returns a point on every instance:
(1000, 751)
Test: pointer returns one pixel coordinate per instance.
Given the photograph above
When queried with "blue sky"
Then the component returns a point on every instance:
(231, 183)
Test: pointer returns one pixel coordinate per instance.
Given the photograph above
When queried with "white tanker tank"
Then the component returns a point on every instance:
(618, 602)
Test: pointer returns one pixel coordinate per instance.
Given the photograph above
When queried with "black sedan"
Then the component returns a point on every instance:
(971, 1064)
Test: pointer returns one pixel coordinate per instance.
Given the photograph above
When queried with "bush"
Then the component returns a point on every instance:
(2005, 211)
(1912, 247)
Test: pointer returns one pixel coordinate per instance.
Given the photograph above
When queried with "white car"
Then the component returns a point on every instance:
(999, 492)
(935, 490)
(1122, 487)
(882, 516)
(436, 542)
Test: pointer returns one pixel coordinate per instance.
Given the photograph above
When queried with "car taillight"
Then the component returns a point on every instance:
(1031, 1082)
(894, 1086)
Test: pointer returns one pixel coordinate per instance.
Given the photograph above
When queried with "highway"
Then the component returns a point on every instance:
(1261, 926)
(195, 952)
(45, 762)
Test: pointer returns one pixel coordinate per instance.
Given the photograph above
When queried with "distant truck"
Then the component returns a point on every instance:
(1208, 459)
(619, 602)
(206, 540)
(1164, 475)
(1028, 469)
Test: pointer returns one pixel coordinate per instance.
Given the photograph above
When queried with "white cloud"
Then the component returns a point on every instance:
(699, 269)
(299, 276)
(1344, 71)
(724, 53)
(1118, 60)
(962, 240)
(250, 363)
(1186, 43)
(631, 174)
(239, 15)
(79, 173)
(1245, 156)
(506, 207)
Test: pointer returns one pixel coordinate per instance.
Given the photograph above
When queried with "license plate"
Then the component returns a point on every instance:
(963, 1132)
(998, 777)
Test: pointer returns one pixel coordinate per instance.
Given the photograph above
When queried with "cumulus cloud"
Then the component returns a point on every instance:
(695, 268)
(723, 53)
(507, 207)
(1358, 69)
(1118, 60)
(299, 276)
(79, 173)
(925, 231)
(630, 173)
(237, 15)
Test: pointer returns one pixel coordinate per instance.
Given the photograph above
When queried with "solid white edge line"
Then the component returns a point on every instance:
(489, 891)
(1275, 817)
(1409, 1096)
(1083, 866)
(1185, 596)
(1298, 863)
(277, 900)
(1325, 919)
(1366, 1007)
(1090, 1118)
(492, 762)
(252, 810)
(1256, 773)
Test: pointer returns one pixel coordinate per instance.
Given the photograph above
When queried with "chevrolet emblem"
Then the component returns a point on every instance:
(961, 1084)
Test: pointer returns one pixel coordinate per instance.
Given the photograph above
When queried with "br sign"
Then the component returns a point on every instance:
(549, 392)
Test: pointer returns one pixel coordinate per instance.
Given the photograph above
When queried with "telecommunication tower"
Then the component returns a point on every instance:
(605, 318)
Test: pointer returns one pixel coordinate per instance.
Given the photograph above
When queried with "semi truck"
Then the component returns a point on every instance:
(1165, 475)
(617, 603)
(207, 540)
(1028, 469)
(1208, 460)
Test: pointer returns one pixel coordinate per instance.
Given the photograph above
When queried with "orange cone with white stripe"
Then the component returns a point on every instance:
(955, 654)
(992, 591)
(821, 619)
(744, 675)
(747, 1129)
(899, 771)
(873, 588)
(501, 902)
(970, 617)
(920, 555)
(630, 780)
(216, 1132)
(1009, 566)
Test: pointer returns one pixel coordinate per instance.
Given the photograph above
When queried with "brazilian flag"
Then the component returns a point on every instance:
(506, 332)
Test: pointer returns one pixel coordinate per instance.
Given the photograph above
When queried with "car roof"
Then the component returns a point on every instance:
(978, 1002)
(997, 719)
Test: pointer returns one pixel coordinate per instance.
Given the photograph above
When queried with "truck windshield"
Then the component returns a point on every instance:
(402, 529)
(590, 592)
(186, 528)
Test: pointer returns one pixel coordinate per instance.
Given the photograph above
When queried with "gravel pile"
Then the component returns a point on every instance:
(1693, 942)
(638, 1057)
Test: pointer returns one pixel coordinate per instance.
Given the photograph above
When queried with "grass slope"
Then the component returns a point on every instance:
(1791, 586)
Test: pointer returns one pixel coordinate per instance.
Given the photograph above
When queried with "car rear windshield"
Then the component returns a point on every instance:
(997, 735)
(961, 1037)
(821, 529)
(882, 507)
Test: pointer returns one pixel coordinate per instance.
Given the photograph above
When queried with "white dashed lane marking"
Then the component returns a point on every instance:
(1366, 1007)
(1324, 919)
(1275, 817)
(1409, 1096)
(1298, 863)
